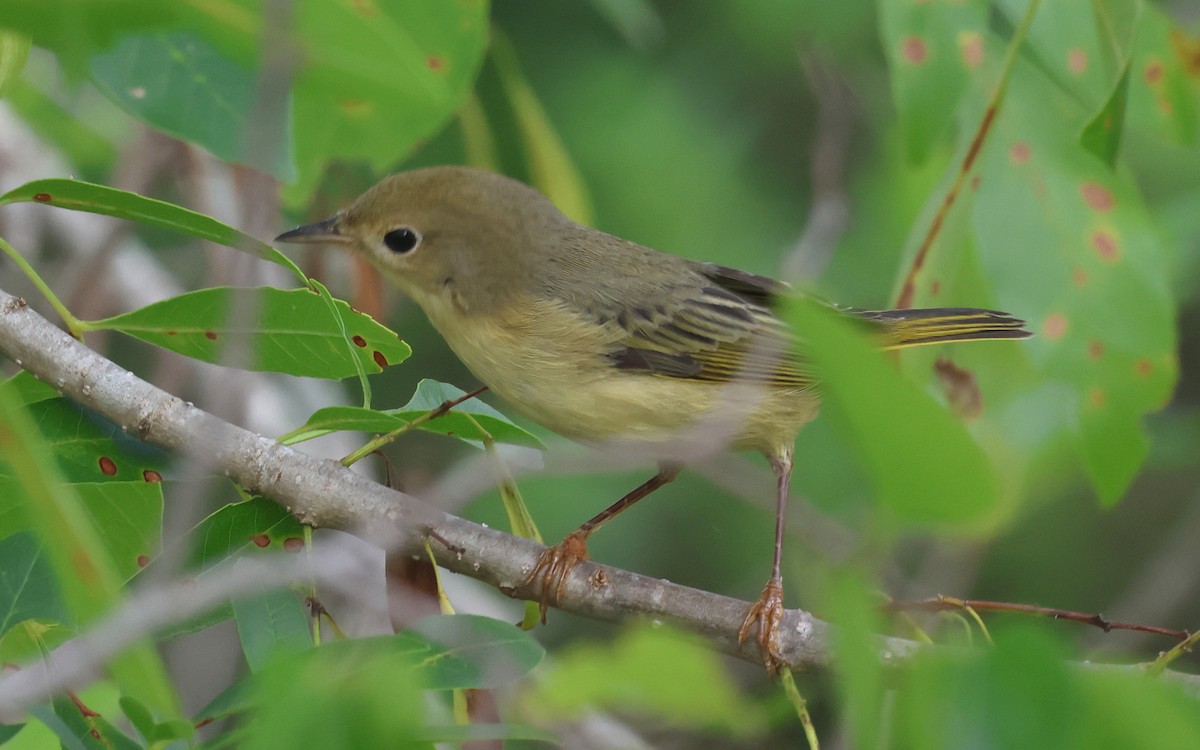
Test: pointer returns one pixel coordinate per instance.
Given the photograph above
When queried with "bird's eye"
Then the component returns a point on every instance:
(402, 241)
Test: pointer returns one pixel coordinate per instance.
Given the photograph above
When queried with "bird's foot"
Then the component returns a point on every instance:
(552, 568)
(766, 614)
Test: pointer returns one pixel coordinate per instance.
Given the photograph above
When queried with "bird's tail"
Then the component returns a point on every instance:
(905, 328)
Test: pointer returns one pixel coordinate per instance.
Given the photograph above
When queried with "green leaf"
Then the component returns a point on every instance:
(89, 448)
(1100, 302)
(342, 696)
(852, 609)
(933, 49)
(77, 195)
(28, 588)
(27, 389)
(91, 732)
(279, 330)
(181, 84)
(650, 671)
(430, 394)
(925, 465)
(1102, 134)
(14, 48)
(377, 78)
(128, 516)
(75, 29)
(468, 651)
(90, 583)
(256, 525)
(270, 624)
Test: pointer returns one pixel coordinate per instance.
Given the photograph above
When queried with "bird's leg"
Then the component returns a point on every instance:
(556, 563)
(768, 610)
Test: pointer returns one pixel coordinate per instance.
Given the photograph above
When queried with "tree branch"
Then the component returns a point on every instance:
(324, 493)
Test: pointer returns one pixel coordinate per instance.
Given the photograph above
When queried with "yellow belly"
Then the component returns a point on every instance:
(549, 363)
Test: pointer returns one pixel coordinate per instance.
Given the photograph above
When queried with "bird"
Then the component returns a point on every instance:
(598, 338)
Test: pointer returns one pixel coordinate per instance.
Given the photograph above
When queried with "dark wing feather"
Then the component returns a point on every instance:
(716, 326)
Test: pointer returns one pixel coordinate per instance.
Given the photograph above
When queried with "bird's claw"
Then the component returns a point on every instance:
(766, 614)
(552, 568)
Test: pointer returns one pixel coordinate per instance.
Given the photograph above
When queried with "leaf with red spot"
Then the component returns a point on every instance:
(933, 50)
(128, 518)
(242, 527)
(28, 589)
(263, 328)
(1053, 235)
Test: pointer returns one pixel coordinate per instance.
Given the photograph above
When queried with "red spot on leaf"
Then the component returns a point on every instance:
(1143, 367)
(95, 732)
(150, 475)
(293, 544)
(210, 335)
(261, 540)
(1096, 397)
(355, 108)
(1019, 152)
(1077, 61)
(1105, 245)
(365, 7)
(143, 560)
(935, 286)
(1079, 276)
(108, 467)
(1096, 196)
(1095, 349)
(1054, 326)
(435, 63)
(359, 341)
(975, 182)
(171, 333)
(379, 359)
(970, 44)
(1165, 105)
(42, 197)
(913, 50)
(1154, 71)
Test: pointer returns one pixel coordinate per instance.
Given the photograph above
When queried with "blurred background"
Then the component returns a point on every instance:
(809, 141)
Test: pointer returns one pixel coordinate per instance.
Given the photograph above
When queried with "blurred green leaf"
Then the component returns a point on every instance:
(460, 733)
(650, 671)
(925, 465)
(468, 651)
(74, 29)
(181, 84)
(551, 169)
(277, 330)
(14, 48)
(932, 49)
(1162, 93)
(637, 21)
(28, 589)
(90, 153)
(271, 624)
(92, 732)
(27, 389)
(377, 78)
(852, 609)
(1102, 134)
(77, 195)
(344, 695)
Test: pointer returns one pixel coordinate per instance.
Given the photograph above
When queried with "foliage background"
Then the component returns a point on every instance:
(719, 131)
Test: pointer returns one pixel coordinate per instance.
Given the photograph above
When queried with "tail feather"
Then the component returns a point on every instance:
(905, 328)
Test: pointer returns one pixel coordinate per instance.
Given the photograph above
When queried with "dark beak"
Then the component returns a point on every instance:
(322, 231)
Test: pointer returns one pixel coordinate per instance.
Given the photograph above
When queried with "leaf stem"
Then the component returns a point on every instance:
(375, 444)
(74, 326)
